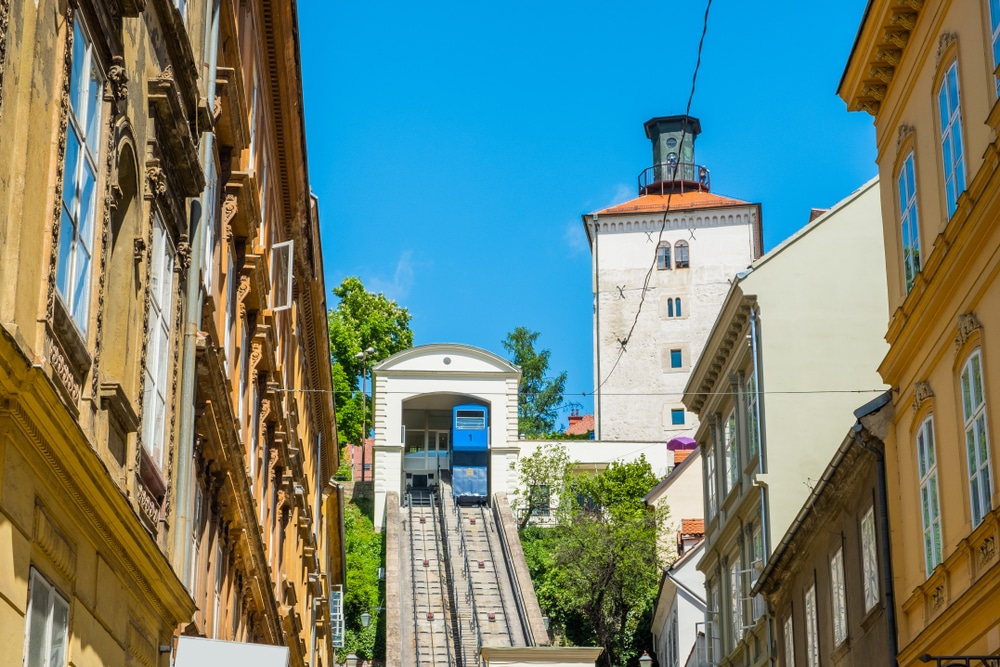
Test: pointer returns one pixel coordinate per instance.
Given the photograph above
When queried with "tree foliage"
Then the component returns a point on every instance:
(361, 320)
(545, 476)
(364, 548)
(596, 573)
(538, 398)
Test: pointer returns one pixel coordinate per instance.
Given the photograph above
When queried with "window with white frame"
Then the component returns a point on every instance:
(930, 508)
(756, 566)
(789, 632)
(46, 624)
(812, 628)
(79, 201)
(838, 597)
(161, 289)
(232, 283)
(952, 153)
(217, 590)
(732, 452)
(977, 442)
(909, 221)
(710, 491)
(253, 119)
(735, 600)
(196, 521)
(282, 264)
(869, 560)
(713, 636)
(753, 415)
(209, 204)
(663, 257)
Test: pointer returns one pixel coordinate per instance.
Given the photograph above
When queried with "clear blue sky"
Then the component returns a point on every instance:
(455, 145)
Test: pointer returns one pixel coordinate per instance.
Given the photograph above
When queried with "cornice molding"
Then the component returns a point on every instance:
(882, 40)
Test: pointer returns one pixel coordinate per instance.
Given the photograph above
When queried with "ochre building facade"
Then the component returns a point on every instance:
(926, 71)
(166, 414)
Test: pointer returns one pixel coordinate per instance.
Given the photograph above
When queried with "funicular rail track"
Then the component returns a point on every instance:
(431, 617)
(496, 614)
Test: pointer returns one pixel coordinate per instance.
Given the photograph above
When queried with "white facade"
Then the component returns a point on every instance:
(680, 609)
(423, 384)
(639, 389)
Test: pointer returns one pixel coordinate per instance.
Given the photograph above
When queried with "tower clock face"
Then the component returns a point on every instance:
(671, 142)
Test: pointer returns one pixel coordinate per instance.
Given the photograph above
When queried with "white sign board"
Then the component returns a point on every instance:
(199, 652)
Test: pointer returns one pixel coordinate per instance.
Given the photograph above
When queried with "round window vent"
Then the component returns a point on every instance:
(447, 360)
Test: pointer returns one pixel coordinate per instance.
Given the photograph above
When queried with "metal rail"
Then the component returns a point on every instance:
(430, 607)
(487, 525)
(461, 640)
(441, 587)
(413, 579)
(522, 609)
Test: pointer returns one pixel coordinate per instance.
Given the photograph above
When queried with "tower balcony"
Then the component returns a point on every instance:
(674, 177)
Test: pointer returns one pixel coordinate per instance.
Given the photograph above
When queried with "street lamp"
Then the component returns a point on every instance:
(366, 617)
(363, 357)
(645, 660)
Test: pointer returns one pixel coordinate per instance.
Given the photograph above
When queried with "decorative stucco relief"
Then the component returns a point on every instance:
(967, 325)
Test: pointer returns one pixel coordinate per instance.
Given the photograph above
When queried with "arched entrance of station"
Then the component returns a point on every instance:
(427, 438)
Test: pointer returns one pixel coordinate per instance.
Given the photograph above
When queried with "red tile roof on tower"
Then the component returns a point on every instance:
(678, 202)
(680, 455)
(581, 426)
(692, 526)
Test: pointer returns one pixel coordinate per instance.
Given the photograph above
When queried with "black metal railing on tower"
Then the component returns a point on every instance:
(675, 177)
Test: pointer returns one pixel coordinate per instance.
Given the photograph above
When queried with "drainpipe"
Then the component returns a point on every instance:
(883, 515)
(185, 437)
(597, 328)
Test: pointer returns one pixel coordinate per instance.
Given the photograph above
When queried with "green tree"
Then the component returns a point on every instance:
(596, 573)
(538, 398)
(360, 321)
(545, 476)
(363, 547)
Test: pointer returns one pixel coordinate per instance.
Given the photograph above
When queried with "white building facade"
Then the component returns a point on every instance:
(662, 265)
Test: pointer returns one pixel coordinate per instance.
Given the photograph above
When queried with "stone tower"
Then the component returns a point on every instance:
(648, 333)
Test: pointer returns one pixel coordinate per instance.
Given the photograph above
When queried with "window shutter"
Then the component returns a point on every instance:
(281, 276)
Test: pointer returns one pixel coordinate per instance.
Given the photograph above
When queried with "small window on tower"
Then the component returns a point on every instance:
(676, 359)
(677, 417)
(663, 257)
(681, 255)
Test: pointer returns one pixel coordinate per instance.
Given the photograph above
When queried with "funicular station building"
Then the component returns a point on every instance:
(446, 449)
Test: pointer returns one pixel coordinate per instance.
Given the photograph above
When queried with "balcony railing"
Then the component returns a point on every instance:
(675, 177)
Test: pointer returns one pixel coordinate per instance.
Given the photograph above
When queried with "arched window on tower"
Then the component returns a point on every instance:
(663, 257)
(681, 252)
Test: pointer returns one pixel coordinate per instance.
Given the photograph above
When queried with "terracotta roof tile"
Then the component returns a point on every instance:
(582, 427)
(692, 526)
(678, 202)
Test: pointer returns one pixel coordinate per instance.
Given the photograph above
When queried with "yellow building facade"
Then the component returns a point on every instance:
(925, 70)
(166, 415)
